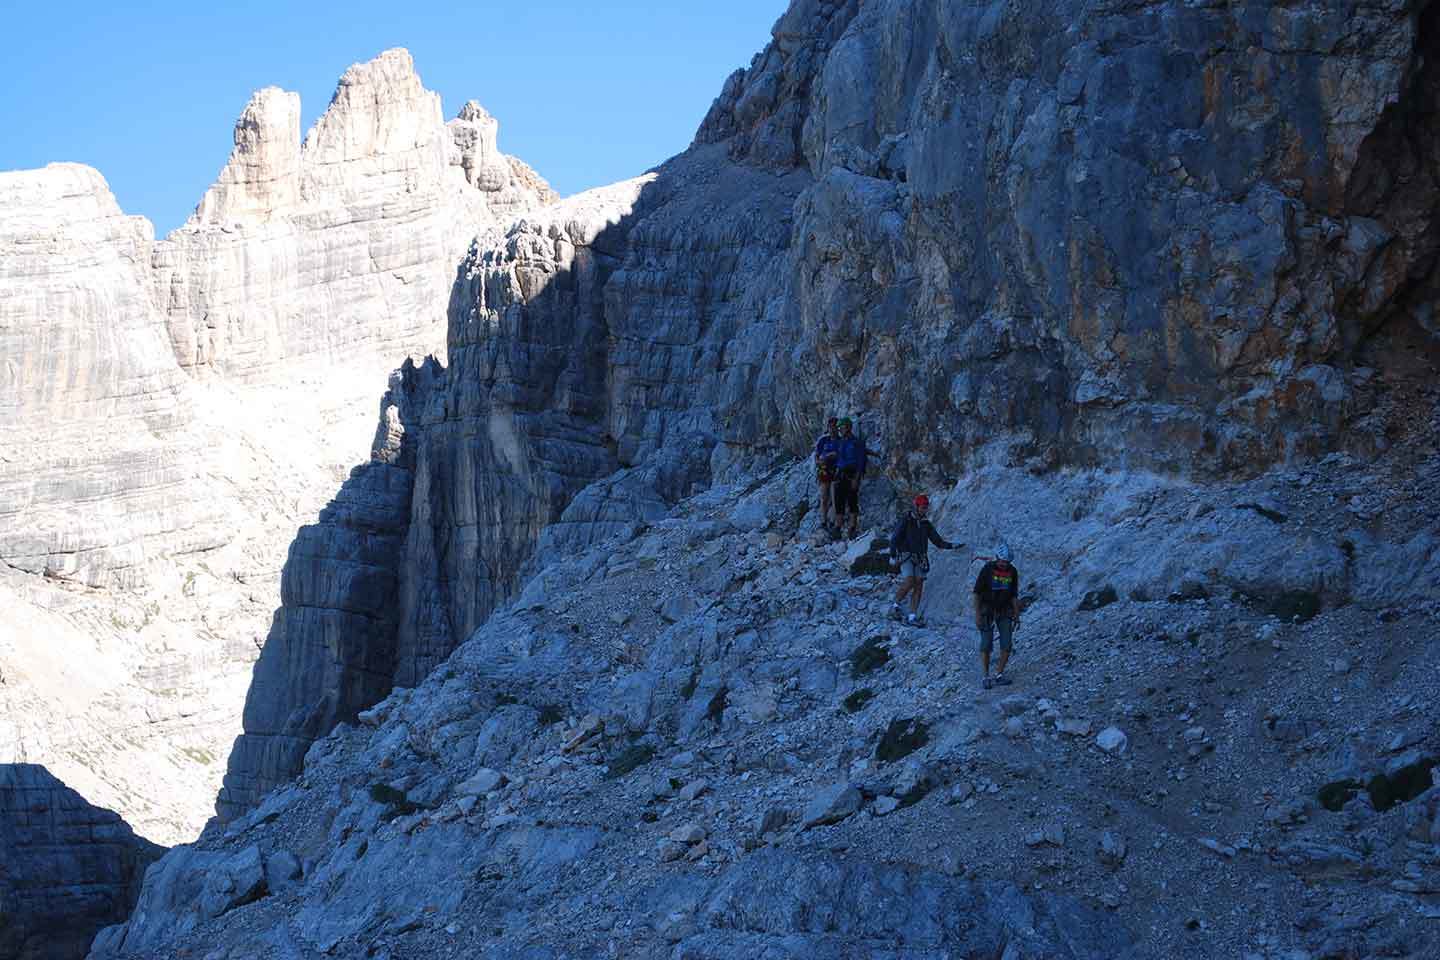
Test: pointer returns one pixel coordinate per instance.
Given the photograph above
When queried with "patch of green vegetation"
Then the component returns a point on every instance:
(869, 656)
(857, 700)
(386, 794)
(396, 803)
(903, 737)
(1385, 791)
(1297, 605)
(202, 757)
(1404, 785)
(633, 756)
(1333, 796)
(1096, 599)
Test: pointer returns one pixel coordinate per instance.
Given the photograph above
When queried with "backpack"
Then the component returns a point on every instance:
(898, 535)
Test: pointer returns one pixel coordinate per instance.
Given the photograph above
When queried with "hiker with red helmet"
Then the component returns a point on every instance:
(911, 544)
(827, 455)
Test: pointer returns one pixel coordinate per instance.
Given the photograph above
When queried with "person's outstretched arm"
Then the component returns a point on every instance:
(935, 537)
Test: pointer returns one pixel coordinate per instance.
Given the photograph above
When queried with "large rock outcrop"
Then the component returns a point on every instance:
(81, 347)
(1192, 242)
(1160, 238)
(66, 868)
(177, 409)
(342, 247)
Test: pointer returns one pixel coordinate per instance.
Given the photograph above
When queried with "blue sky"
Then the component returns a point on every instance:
(586, 92)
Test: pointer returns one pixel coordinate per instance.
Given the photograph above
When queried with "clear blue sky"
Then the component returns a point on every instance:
(586, 92)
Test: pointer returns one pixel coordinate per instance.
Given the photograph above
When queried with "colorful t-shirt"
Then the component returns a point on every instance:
(997, 586)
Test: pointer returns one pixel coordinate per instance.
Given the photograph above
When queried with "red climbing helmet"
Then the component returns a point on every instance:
(922, 502)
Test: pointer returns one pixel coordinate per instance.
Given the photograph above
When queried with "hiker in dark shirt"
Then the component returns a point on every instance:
(851, 461)
(910, 544)
(997, 609)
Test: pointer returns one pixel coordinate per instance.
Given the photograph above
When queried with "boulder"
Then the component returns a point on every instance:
(831, 805)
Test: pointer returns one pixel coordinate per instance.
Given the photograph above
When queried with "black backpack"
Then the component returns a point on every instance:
(898, 534)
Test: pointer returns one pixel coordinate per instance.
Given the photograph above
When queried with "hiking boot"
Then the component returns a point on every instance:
(987, 683)
(1003, 680)
(916, 620)
(895, 612)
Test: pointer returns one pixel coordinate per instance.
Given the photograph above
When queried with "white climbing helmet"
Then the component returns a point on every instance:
(1002, 551)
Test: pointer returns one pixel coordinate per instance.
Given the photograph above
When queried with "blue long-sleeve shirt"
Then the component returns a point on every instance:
(827, 449)
(852, 455)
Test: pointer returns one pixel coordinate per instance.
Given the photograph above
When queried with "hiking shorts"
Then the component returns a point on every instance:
(915, 565)
(988, 628)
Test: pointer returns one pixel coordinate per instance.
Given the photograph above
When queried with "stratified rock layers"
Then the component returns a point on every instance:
(80, 347)
(175, 410)
(342, 248)
(66, 868)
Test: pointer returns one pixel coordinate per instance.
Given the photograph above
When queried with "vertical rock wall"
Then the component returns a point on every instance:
(66, 868)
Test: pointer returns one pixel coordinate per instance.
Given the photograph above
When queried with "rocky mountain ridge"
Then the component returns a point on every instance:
(1156, 280)
(704, 737)
(176, 408)
(1040, 238)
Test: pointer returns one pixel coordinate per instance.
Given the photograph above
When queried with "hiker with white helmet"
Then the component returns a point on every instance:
(997, 610)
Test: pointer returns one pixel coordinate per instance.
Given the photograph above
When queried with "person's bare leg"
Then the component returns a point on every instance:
(1004, 659)
(905, 587)
(916, 594)
(985, 663)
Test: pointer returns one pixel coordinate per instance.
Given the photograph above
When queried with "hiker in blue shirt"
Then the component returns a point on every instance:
(827, 455)
(850, 464)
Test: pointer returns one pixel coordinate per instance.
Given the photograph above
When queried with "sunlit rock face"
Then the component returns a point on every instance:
(1188, 240)
(176, 410)
(345, 243)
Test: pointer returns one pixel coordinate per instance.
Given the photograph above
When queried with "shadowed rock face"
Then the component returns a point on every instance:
(1106, 235)
(66, 868)
(331, 650)
(1166, 239)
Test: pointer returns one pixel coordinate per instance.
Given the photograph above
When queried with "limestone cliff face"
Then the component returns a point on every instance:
(174, 411)
(80, 347)
(346, 242)
(66, 868)
(1198, 241)
(1194, 242)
